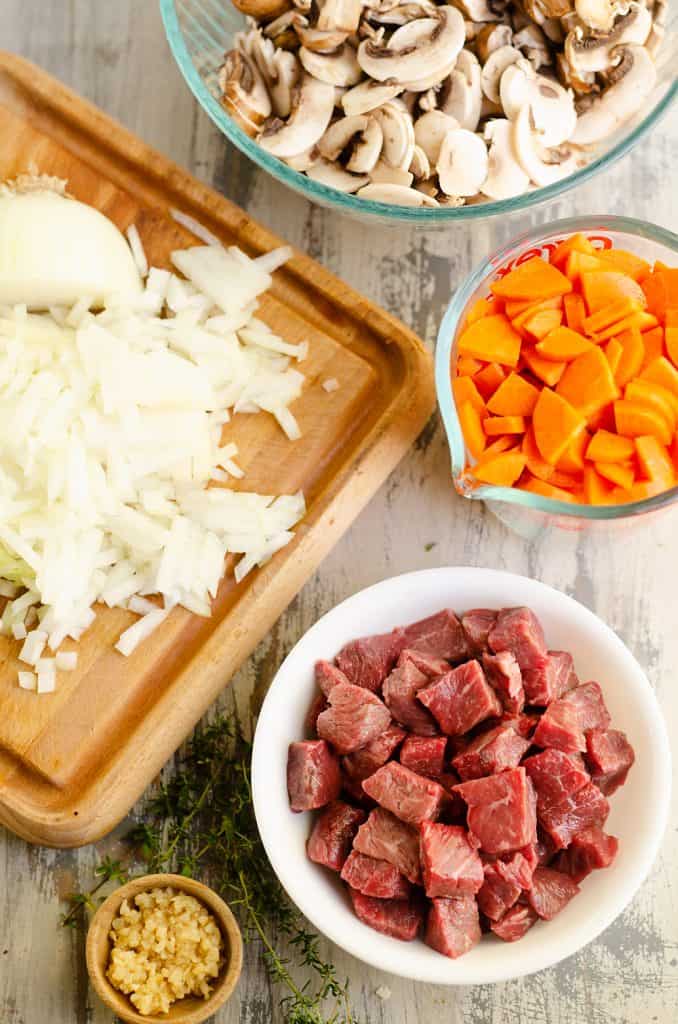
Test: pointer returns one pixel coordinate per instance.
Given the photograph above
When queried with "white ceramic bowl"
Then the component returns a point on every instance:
(639, 809)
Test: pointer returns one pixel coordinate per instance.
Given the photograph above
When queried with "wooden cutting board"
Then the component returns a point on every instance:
(73, 763)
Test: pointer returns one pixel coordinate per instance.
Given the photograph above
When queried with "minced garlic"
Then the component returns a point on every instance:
(165, 945)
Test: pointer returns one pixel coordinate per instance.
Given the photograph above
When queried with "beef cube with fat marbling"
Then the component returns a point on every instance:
(589, 850)
(362, 763)
(515, 923)
(550, 892)
(565, 722)
(490, 752)
(400, 692)
(498, 893)
(501, 810)
(504, 676)
(555, 776)
(610, 756)
(453, 926)
(519, 866)
(333, 833)
(524, 724)
(426, 663)
(313, 775)
(354, 718)
(519, 631)
(477, 625)
(424, 754)
(549, 682)
(367, 661)
(460, 699)
(440, 635)
(401, 919)
(328, 675)
(376, 878)
(411, 797)
(386, 837)
(566, 677)
(585, 808)
(449, 861)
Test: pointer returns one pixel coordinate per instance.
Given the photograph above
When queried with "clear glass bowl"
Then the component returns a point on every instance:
(200, 31)
(523, 511)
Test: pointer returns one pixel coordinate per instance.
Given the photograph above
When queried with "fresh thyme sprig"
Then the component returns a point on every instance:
(201, 823)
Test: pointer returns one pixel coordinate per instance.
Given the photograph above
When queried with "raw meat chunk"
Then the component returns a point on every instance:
(440, 635)
(388, 838)
(491, 752)
(328, 675)
(409, 796)
(585, 808)
(400, 690)
(551, 891)
(555, 776)
(540, 683)
(460, 699)
(524, 724)
(515, 923)
(355, 718)
(374, 877)
(497, 894)
(566, 720)
(518, 867)
(401, 919)
(477, 625)
(450, 863)
(504, 676)
(566, 677)
(424, 754)
(518, 630)
(333, 834)
(364, 762)
(426, 663)
(501, 810)
(453, 926)
(313, 776)
(610, 756)
(367, 662)
(319, 704)
(589, 850)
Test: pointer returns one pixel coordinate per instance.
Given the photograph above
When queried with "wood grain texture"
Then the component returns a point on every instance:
(115, 54)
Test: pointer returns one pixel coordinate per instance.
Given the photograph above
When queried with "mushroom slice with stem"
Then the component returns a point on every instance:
(398, 134)
(477, 10)
(461, 95)
(505, 177)
(599, 15)
(430, 130)
(515, 87)
(366, 148)
(582, 83)
(420, 166)
(318, 40)
(262, 10)
(245, 95)
(342, 15)
(553, 111)
(304, 161)
(367, 96)
(590, 53)
(534, 44)
(462, 163)
(416, 50)
(400, 195)
(402, 13)
(631, 82)
(339, 68)
(490, 38)
(382, 174)
(282, 29)
(286, 75)
(312, 107)
(340, 135)
(334, 175)
(494, 68)
(544, 166)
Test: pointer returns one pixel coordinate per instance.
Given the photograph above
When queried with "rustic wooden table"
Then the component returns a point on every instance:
(116, 55)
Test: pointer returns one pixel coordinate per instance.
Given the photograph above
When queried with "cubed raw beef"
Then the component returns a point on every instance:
(497, 894)
(566, 677)
(449, 861)
(518, 630)
(328, 675)
(610, 756)
(333, 833)
(588, 851)
(400, 690)
(460, 699)
(546, 850)
(319, 704)
(518, 867)
(504, 676)
(355, 718)
(551, 891)
(585, 808)
(453, 926)
(411, 797)
(440, 635)
(374, 877)
(501, 810)
(401, 919)
(359, 765)
(565, 721)
(388, 838)
(424, 754)
(367, 662)
(515, 923)
(548, 683)
(524, 724)
(555, 776)
(477, 625)
(313, 775)
(426, 663)
(491, 752)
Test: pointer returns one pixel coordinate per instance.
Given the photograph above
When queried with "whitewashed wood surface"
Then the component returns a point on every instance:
(114, 52)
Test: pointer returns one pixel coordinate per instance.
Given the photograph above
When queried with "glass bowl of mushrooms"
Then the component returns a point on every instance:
(408, 110)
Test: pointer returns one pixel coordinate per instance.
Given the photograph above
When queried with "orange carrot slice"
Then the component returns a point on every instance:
(488, 379)
(536, 465)
(548, 490)
(635, 420)
(496, 425)
(535, 279)
(597, 491)
(654, 460)
(562, 345)
(655, 290)
(608, 447)
(579, 263)
(656, 397)
(542, 323)
(618, 473)
(662, 372)
(602, 288)
(671, 339)
(472, 429)
(502, 444)
(653, 343)
(467, 367)
(546, 370)
(575, 243)
(572, 459)
(515, 396)
(502, 470)
(587, 383)
(631, 358)
(609, 315)
(641, 321)
(515, 308)
(613, 353)
(492, 339)
(626, 262)
(575, 311)
(556, 423)
(466, 391)
(483, 307)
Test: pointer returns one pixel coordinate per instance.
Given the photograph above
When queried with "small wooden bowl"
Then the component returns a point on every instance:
(191, 1010)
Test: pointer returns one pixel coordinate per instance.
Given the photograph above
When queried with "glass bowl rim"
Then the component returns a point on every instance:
(350, 204)
(443, 353)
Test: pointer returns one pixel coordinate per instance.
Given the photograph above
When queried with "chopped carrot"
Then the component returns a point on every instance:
(542, 323)
(634, 420)
(488, 379)
(640, 491)
(579, 263)
(671, 338)
(613, 353)
(495, 425)
(567, 480)
(626, 262)
(642, 321)
(562, 345)
(654, 460)
(547, 371)
(535, 279)
(502, 444)
(515, 308)
(587, 383)
(656, 397)
(467, 367)
(596, 490)
(556, 423)
(547, 490)
(601, 288)
(575, 243)
(536, 465)
(670, 275)
(575, 311)
(631, 359)
(502, 470)
(602, 419)
(662, 372)
(653, 343)
(671, 317)
(572, 459)
(492, 339)
(483, 307)
(515, 396)
(472, 429)
(608, 447)
(466, 391)
(619, 473)
(609, 315)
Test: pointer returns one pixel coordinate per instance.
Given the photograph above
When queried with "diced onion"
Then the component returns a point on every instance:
(331, 384)
(140, 631)
(66, 661)
(28, 681)
(137, 248)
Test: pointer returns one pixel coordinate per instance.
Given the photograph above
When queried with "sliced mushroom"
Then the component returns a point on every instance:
(440, 41)
(339, 15)
(534, 44)
(335, 176)
(505, 176)
(428, 101)
(382, 174)
(279, 29)
(304, 161)
(631, 82)
(494, 68)
(590, 53)
(398, 134)
(490, 38)
(432, 80)
(339, 68)
(245, 94)
(262, 10)
(339, 135)
(461, 94)
(312, 107)
(420, 166)
(368, 96)
(430, 130)
(599, 15)
(544, 166)
(515, 87)
(320, 41)
(477, 10)
(398, 194)
(402, 13)
(429, 188)
(367, 148)
(553, 111)
(581, 83)
(462, 163)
